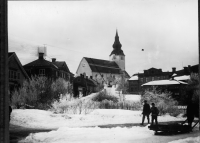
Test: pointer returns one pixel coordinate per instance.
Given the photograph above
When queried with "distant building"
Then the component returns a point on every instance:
(105, 71)
(134, 86)
(188, 70)
(148, 75)
(82, 86)
(17, 74)
(53, 70)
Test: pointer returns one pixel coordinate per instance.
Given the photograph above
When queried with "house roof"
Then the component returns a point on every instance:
(135, 77)
(62, 65)
(40, 62)
(103, 66)
(184, 77)
(164, 82)
(13, 54)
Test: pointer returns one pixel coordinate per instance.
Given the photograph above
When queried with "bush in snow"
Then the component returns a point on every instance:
(163, 100)
(103, 96)
(127, 105)
(61, 86)
(39, 92)
(74, 106)
(82, 106)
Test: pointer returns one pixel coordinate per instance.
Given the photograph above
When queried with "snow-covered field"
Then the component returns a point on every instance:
(133, 97)
(84, 128)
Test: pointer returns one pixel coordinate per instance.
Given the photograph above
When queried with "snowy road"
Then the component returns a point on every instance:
(100, 126)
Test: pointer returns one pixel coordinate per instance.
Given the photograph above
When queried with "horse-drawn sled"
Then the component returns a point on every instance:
(172, 128)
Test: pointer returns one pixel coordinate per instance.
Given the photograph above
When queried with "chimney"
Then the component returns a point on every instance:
(41, 56)
(53, 59)
(173, 69)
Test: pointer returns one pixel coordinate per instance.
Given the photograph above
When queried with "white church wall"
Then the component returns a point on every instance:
(84, 68)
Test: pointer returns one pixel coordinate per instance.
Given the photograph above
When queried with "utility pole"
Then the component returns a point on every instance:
(4, 103)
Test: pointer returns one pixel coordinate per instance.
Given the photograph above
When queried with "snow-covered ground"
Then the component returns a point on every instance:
(132, 97)
(84, 128)
(47, 120)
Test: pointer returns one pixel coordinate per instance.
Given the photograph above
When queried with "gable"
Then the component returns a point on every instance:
(84, 68)
(15, 64)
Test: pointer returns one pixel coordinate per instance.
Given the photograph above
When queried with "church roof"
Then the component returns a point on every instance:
(103, 66)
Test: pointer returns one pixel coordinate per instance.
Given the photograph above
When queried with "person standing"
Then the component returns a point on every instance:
(190, 112)
(146, 111)
(154, 114)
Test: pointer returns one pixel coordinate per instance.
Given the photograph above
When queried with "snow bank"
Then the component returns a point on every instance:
(47, 120)
(187, 140)
(133, 97)
(91, 135)
(116, 112)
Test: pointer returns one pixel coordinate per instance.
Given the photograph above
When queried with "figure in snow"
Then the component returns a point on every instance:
(146, 111)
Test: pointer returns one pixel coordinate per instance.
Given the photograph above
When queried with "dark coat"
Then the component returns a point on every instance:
(154, 111)
(190, 112)
(146, 109)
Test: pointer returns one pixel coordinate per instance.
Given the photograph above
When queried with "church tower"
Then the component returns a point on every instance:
(117, 54)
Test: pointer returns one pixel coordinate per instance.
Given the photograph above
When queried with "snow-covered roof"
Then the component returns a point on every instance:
(164, 82)
(134, 77)
(184, 77)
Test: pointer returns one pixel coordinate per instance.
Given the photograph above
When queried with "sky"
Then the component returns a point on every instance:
(167, 30)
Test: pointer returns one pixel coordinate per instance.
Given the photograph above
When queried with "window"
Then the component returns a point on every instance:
(18, 75)
(13, 74)
(141, 80)
(56, 74)
(122, 58)
(153, 78)
(42, 72)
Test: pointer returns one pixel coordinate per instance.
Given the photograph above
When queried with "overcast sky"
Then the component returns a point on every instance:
(167, 30)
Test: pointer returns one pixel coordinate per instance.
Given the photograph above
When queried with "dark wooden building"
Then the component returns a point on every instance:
(188, 70)
(83, 86)
(53, 70)
(17, 74)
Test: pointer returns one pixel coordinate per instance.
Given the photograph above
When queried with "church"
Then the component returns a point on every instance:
(105, 71)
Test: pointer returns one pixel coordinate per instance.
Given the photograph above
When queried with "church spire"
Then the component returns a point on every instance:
(117, 46)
